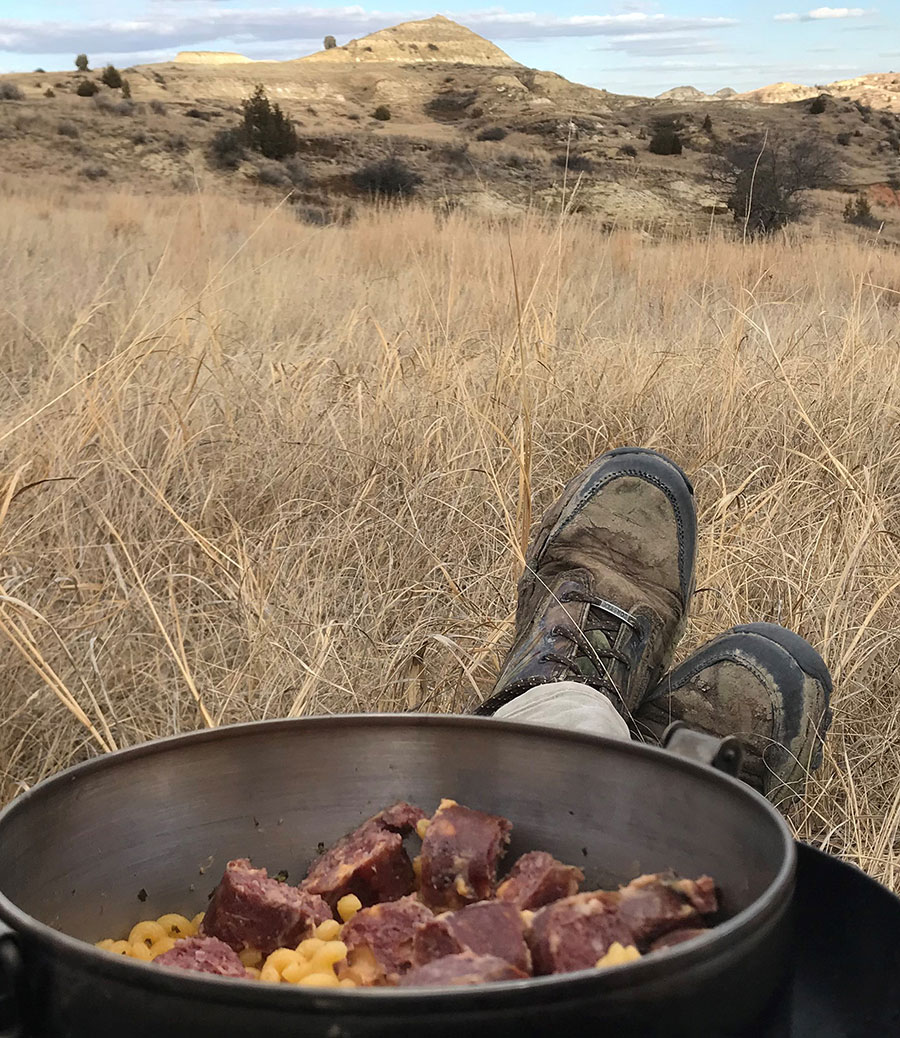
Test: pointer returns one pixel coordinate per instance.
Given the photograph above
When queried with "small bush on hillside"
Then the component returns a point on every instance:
(387, 178)
(329, 43)
(111, 77)
(67, 129)
(266, 128)
(894, 142)
(272, 174)
(574, 163)
(139, 137)
(492, 133)
(456, 154)
(95, 172)
(226, 149)
(858, 212)
(707, 124)
(513, 160)
(382, 113)
(476, 112)
(197, 113)
(81, 63)
(844, 139)
(296, 171)
(177, 142)
(817, 105)
(433, 46)
(10, 92)
(665, 141)
(450, 104)
(157, 107)
(41, 71)
(765, 180)
(628, 149)
(49, 92)
(87, 88)
(126, 90)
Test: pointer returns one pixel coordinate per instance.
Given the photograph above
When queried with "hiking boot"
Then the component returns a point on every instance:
(761, 683)
(607, 582)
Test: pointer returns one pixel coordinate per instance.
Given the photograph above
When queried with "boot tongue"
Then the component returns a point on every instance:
(612, 634)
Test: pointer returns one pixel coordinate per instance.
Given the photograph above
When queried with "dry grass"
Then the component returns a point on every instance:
(257, 469)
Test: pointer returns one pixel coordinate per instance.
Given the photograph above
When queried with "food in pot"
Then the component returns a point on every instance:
(368, 915)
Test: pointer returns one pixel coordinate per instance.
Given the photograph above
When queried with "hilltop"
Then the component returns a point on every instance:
(481, 131)
(432, 40)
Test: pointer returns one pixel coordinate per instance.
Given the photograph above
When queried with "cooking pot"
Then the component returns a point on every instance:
(148, 830)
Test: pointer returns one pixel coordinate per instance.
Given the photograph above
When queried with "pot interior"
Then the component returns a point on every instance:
(149, 830)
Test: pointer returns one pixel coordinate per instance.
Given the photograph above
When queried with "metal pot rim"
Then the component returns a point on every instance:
(637, 975)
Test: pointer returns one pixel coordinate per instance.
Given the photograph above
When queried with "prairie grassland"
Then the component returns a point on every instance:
(256, 469)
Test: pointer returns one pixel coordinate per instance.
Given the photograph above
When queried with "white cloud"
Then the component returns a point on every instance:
(819, 14)
(246, 28)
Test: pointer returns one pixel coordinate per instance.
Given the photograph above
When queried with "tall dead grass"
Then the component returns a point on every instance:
(257, 469)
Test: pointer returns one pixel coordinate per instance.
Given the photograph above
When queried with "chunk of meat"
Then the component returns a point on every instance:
(485, 928)
(464, 968)
(371, 862)
(460, 854)
(653, 905)
(203, 955)
(380, 941)
(537, 879)
(250, 910)
(575, 932)
(674, 937)
(700, 892)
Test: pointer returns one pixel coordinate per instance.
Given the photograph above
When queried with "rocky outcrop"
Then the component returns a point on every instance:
(209, 57)
(431, 41)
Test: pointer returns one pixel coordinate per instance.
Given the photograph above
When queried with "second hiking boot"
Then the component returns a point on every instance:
(761, 683)
(607, 581)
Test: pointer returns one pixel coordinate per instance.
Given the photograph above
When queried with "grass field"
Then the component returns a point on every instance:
(253, 468)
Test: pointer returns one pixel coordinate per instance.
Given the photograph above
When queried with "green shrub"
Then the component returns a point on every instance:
(707, 124)
(111, 77)
(81, 63)
(382, 113)
(329, 43)
(844, 139)
(628, 149)
(226, 149)
(858, 212)
(574, 163)
(87, 88)
(491, 133)
(126, 90)
(266, 128)
(665, 141)
(387, 178)
(817, 106)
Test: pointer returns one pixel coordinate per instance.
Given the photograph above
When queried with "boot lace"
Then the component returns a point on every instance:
(603, 617)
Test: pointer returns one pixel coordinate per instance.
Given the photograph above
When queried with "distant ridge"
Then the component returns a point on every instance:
(430, 41)
(210, 57)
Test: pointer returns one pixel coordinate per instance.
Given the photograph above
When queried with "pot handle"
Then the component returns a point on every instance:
(722, 754)
(12, 973)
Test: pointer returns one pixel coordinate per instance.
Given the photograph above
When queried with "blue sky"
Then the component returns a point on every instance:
(628, 46)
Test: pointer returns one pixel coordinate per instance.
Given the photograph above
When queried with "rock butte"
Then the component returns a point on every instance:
(210, 57)
(431, 41)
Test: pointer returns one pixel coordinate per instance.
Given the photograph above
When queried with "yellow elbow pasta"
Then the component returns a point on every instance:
(313, 963)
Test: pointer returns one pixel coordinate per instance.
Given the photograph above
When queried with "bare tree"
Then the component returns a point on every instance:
(765, 178)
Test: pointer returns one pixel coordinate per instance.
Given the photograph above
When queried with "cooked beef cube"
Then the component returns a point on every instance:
(537, 879)
(203, 955)
(574, 932)
(485, 928)
(651, 906)
(460, 853)
(674, 937)
(371, 862)
(464, 968)
(250, 910)
(380, 941)
(700, 892)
